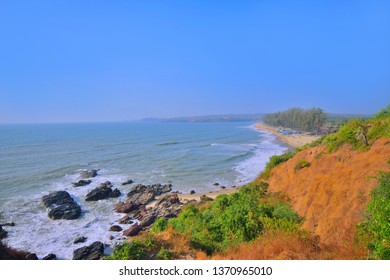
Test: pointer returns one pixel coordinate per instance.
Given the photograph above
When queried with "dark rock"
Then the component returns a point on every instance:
(60, 205)
(216, 184)
(31, 257)
(102, 192)
(128, 182)
(115, 193)
(89, 173)
(91, 252)
(80, 239)
(3, 233)
(222, 187)
(126, 220)
(111, 237)
(234, 186)
(50, 257)
(115, 228)
(81, 183)
(205, 198)
(126, 207)
(192, 192)
(106, 184)
(132, 231)
(12, 224)
(148, 219)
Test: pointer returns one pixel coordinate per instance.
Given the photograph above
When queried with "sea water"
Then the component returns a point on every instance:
(41, 158)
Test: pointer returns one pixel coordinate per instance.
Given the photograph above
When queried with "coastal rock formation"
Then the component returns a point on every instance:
(3, 233)
(60, 205)
(103, 192)
(50, 257)
(91, 252)
(80, 239)
(32, 257)
(132, 231)
(89, 173)
(115, 228)
(141, 195)
(128, 182)
(81, 183)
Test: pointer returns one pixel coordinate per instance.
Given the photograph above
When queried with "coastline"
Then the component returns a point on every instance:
(294, 140)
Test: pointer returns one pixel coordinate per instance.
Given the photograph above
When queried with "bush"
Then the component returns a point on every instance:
(159, 225)
(376, 227)
(135, 250)
(274, 161)
(230, 219)
(165, 254)
(302, 163)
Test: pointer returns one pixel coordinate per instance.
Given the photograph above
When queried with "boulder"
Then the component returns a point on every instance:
(80, 239)
(89, 173)
(115, 228)
(115, 193)
(102, 192)
(81, 183)
(132, 231)
(126, 220)
(32, 257)
(91, 252)
(60, 205)
(128, 182)
(192, 192)
(126, 207)
(3, 233)
(50, 257)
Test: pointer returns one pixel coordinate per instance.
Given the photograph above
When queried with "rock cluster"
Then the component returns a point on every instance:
(60, 205)
(93, 251)
(103, 192)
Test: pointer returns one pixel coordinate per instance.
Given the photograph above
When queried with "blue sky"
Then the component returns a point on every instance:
(81, 61)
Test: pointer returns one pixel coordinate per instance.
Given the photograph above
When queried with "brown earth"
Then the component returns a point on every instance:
(332, 193)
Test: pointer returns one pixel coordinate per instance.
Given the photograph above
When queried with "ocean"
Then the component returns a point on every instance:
(38, 159)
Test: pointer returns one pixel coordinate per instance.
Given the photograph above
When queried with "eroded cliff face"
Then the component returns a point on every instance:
(332, 193)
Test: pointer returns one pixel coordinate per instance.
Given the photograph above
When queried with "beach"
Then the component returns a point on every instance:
(293, 140)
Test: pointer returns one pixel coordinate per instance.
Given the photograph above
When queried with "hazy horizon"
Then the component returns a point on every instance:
(72, 62)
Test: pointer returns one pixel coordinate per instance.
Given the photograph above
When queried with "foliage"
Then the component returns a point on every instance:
(135, 250)
(274, 161)
(159, 225)
(376, 225)
(297, 118)
(165, 254)
(230, 219)
(384, 113)
(302, 163)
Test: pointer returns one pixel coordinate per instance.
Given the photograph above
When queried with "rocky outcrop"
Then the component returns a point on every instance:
(50, 257)
(115, 228)
(103, 192)
(132, 231)
(3, 233)
(60, 205)
(89, 173)
(80, 239)
(91, 252)
(128, 182)
(32, 257)
(140, 195)
(81, 183)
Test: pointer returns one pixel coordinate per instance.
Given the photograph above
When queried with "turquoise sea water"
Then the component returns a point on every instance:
(38, 159)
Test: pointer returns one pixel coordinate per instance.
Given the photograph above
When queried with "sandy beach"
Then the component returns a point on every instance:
(295, 140)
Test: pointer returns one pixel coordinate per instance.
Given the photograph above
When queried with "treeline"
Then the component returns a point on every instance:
(297, 118)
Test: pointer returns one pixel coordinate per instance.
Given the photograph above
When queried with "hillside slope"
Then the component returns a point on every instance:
(332, 193)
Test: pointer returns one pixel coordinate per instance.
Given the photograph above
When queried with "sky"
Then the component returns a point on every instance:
(87, 61)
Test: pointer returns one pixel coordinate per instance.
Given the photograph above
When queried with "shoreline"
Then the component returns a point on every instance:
(294, 140)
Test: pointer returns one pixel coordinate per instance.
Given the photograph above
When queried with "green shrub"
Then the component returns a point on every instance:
(135, 250)
(230, 219)
(376, 224)
(302, 163)
(165, 254)
(274, 161)
(159, 225)
(384, 113)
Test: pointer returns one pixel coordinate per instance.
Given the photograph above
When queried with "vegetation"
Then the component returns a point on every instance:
(274, 161)
(297, 118)
(231, 219)
(376, 225)
(302, 163)
(384, 113)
